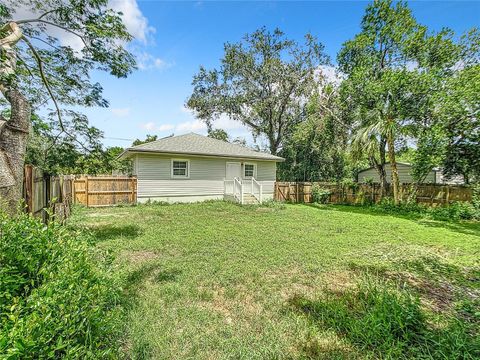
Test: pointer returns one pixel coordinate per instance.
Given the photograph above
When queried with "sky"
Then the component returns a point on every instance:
(173, 39)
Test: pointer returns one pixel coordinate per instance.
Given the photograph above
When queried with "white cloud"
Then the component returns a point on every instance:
(191, 126)
(134, 20)
(165, 127)
(226, 123)
(146, 61)
(120, 112)
(150, 126)
(186, 110)
(223, 122)
(330, 73)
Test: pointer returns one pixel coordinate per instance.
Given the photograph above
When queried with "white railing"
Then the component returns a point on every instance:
(236, 189)
(257, 190)
(228, 187)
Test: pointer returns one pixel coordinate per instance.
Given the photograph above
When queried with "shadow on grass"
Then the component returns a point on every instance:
(468, 228)
(135, 283)
(386, 322)
(442, 284)
(153, 272)
(110, 232)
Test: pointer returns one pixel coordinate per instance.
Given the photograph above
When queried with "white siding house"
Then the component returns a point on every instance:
(435, 176)
(193, 167)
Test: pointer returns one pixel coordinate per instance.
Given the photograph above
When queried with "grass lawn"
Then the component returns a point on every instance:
(215, 280)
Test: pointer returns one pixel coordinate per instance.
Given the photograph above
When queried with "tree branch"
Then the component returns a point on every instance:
(53, 24)
(26, 66)
(49, 90)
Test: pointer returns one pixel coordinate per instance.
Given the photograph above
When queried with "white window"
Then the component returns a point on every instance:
(180, 168)
(248, 170)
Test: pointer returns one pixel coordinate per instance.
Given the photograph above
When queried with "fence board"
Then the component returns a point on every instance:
(429, 194)
(105, 190)
(42, 192)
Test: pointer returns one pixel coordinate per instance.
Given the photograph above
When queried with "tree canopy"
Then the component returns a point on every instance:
(43, 72)
(394, 68)
(262, 82)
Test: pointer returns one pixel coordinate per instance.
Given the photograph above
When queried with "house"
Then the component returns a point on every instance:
(192, 167)
(435, 176)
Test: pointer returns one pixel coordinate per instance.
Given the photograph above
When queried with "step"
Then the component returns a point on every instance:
(249, 199)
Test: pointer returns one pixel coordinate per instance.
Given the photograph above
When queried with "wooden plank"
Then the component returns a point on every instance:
(109, 192)
(86, 191)
(28, 186)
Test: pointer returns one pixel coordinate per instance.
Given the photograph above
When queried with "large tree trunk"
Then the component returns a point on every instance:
(13, 147)
(14, 131)
(393, 166)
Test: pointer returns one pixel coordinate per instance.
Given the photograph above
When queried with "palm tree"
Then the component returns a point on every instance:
(371, 139)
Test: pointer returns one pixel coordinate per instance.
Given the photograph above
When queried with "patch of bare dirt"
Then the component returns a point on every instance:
(236, 308)
(139, 256)
(264, 209)
(100, 215)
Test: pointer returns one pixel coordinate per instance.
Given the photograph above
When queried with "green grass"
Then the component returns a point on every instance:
(216, 280)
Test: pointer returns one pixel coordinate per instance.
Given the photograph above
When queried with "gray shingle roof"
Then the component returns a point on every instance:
(195, 144)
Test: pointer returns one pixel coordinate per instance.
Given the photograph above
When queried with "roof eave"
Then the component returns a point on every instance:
(129, 151)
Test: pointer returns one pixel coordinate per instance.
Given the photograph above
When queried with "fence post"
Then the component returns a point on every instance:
(133, 190)
(72, 190)
(47, 199)
(86, 190)
(28, 185)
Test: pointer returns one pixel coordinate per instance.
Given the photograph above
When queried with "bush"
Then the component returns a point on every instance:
(388, 205)
(390, 324)
(320, 195)
(476, 196)
(55, 299)
(455, 211)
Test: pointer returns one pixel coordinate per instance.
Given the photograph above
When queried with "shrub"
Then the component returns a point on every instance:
(476, 196)
(406, 208)
(55, 299)
(455, 211)
(320, 195)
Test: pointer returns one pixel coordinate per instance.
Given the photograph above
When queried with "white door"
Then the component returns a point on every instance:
(234, 169)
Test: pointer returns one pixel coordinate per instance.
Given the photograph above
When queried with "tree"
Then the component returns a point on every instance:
(393, 67)
(221, 134)
(37, 70)
(458, 111)
(66, 158)
(149, 138)
(263, 82)
(315, 151)
(218, 134)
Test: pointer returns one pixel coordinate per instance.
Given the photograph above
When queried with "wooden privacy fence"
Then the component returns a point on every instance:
(47, 195)
(42, 191)
(95, 191)
(430, 194)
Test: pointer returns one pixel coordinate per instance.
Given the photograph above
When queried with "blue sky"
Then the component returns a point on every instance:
(175, 38)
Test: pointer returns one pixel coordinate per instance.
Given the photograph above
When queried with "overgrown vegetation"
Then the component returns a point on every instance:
(320, 195)
(453, 212)
(56, 300)
(391, 324)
